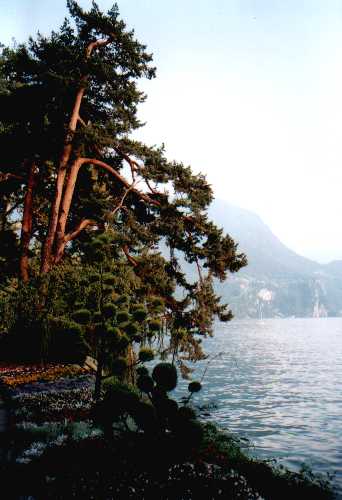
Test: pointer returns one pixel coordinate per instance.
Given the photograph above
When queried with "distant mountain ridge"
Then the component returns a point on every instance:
(277, 281)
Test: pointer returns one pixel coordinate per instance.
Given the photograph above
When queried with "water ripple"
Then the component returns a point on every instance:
(278, 383)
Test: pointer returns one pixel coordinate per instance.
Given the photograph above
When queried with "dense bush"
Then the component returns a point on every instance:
(155, 413)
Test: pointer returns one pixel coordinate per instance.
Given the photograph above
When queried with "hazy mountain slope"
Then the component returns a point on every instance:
(277, 282)
(267, 255)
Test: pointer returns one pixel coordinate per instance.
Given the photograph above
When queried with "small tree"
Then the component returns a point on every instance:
(117, 324)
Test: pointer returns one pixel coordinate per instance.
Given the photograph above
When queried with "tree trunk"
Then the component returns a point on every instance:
(98, 378)
(46, 260)
(65, 208)
(62, 168)
(26, 227)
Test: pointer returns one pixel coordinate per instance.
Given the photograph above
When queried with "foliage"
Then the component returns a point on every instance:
(155, 415)
(165, 376)
(47, 441)
(73, 181)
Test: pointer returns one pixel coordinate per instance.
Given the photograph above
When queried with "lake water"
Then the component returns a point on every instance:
(279, 384)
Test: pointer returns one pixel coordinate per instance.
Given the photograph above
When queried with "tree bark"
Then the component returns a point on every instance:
(26, 227)
(62, 168)
(63, 163)
(60, 237)
(71, 236)
(65, 208)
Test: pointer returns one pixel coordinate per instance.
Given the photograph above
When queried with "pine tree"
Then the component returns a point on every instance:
(71, 170)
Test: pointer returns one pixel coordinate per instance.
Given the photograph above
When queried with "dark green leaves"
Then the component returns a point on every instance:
(165, 376)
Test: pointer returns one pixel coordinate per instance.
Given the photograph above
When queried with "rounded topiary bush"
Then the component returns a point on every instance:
(142, 370)
(154, 325)
(108, 279)
(194, 386)
(186, 413)
(82, 316)
(157, 303)
(109, 310)
(122, 316)
(113, 336)
(132, 329)
(97, 317)
(119, 399)
(145, 383)
(139, 314)
(123, 342)
(113, 332)
(107, 290)
(165, 376)
(146, 354)
(122, 299)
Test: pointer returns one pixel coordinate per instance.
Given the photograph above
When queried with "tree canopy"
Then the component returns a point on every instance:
(70, 172)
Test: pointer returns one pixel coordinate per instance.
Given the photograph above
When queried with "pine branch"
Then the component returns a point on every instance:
(120, 178)
(129, 257)
(79, 228)
(5, 177)
(119, 206)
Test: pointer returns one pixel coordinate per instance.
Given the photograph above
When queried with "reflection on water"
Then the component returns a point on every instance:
(278, 383)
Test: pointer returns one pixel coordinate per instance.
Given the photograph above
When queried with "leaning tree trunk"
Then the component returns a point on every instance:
(47, 253)
(26, 226)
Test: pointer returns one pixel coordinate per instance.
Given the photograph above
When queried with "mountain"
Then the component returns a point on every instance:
(277, 281)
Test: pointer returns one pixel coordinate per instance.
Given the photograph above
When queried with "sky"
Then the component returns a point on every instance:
(248, 92)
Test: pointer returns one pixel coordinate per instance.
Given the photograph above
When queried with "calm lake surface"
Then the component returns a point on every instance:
(278, 383)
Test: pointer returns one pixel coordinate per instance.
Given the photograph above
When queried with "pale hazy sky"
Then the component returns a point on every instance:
(248, 92)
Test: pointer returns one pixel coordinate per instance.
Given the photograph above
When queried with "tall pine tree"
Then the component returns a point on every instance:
(70, 169)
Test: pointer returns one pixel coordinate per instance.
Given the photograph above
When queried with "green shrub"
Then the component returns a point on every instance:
(109, 279)
(154, 325)
(122, 299)
(145, 383)
(146, 354)
(157, 303)
(194, 387)
(97, 317)
(109, 310)
(123, 342)
(122, 316)
(142, 370)
(82, 316)
(94, 277)
(67, 343)
(145, 417)
(186, 413)
(107, 290)
(132, 329)
(165, 376)
(139, 314)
